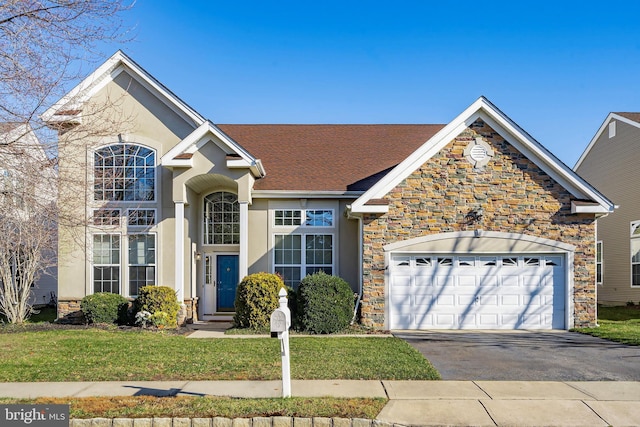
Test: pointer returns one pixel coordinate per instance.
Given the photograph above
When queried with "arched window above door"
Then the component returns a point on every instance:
(221, 219)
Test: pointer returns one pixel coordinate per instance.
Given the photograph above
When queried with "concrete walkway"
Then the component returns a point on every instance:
(423, 403)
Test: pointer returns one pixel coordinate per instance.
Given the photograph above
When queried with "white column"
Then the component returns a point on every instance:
(243, 258)
(179, 251)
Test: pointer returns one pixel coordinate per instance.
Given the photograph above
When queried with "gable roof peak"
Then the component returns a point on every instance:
(68, 108)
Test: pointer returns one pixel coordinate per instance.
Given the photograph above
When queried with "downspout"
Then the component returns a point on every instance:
(360, 269)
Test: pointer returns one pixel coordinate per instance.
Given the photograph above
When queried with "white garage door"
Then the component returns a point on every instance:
(477, 292)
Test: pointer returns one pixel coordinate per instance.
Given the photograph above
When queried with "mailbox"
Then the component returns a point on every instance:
(278, 323)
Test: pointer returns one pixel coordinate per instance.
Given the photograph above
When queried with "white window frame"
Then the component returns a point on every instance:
(303, 253)
(156, 181)
(133, 210)
(634, 238)
(303, 218)
(129, 264)
(124, 261)
(109, 265)
(205, 225)
(600, 262)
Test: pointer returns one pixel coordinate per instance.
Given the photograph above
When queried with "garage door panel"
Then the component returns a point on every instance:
(421, 281)
(467, 281)
(482, 292)
(444, 281)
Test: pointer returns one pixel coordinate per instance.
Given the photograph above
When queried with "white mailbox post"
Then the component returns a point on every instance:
(280, 324)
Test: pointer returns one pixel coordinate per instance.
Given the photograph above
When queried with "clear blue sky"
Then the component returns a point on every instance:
(557, 68)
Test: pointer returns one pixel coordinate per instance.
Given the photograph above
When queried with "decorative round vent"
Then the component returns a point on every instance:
(478, 153)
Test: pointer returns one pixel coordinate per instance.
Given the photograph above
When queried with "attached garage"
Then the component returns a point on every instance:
(448, 291)
(470, 281)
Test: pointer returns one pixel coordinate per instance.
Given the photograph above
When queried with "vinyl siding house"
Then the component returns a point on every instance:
(472, 224)
(610, 163)
(26, 183)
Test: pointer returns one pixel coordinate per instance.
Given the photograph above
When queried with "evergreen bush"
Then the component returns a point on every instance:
(104, 307)
(161, 303)
(256, 299)
(325, 304)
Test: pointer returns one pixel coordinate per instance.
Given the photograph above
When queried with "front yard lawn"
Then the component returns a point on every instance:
(620, 324)
(114, 355)
(207, 406)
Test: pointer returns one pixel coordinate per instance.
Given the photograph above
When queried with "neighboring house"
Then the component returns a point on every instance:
(467, 225)
(26, 173)
(610, 163)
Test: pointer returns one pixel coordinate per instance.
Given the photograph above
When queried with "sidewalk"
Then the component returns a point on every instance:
(455, 403)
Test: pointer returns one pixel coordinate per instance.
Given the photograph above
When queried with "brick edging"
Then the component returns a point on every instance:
(230, 422)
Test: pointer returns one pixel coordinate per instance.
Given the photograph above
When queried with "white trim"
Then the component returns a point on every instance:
(243, 258)
(179, 251)
(560, 248)
(483, 109)
(601, 262)
(303, 264)
(106, 73)
(601, 129)
(297, 194)
(552, 244)
(203, 134)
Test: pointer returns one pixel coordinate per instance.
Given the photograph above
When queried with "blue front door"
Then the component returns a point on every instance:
(227, 280)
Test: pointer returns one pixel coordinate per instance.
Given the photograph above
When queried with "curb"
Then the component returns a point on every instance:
(230, 422)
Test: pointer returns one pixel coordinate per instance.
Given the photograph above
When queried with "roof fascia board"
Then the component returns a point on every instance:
(301, 194)
(203, 134)
(502, 124)
(601, 129)
(107, 72)
(547, 162)
(424, 152)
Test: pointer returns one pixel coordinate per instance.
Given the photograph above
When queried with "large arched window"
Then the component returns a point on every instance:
(124, 172)
(221, 219)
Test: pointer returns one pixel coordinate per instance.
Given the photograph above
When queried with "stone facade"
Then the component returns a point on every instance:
(515, 195)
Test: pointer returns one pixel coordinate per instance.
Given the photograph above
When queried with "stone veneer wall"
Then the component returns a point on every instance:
(69, 312)
(515, 195)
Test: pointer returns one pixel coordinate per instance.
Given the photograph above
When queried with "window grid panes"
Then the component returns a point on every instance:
(106, 263)
(221, 219)
(292, 258)
(635, 262)
(142, 260)
(141, 217)
(312, 217)
(124, 172)
(319, 218)
(106, 217)
(287, 217)
(599, 263)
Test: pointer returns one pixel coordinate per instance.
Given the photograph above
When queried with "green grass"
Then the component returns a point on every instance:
(148, 406)
(620, 324)
(41, 314)
(114, 355)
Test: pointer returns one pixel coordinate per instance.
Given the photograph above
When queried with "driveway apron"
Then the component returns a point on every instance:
(525, 356)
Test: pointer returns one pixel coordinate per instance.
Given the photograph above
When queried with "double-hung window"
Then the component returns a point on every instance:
(635, 253)
(599, 263)
(303, 243)
(124, 216)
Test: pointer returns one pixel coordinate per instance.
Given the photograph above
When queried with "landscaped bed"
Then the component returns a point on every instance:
(620, 324)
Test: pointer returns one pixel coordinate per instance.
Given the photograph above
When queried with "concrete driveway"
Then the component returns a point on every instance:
(525, 355)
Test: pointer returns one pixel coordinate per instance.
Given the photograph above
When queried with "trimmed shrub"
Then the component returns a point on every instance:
(325, 304)
(256, 299)
(161, 303)
(104, 307)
